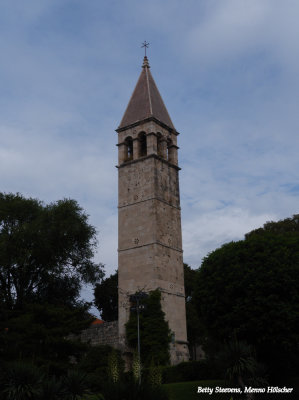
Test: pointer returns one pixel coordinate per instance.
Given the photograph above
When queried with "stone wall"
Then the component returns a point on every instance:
(101, 334)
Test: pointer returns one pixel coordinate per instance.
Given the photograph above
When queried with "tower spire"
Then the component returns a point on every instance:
(146, 101)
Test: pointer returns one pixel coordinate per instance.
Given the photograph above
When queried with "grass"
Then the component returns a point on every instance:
(188, 390)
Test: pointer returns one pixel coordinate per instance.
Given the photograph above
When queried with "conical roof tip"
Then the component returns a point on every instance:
(145, 101)
(145, 62)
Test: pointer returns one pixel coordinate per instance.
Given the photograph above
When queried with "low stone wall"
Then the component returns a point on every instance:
(105, 333)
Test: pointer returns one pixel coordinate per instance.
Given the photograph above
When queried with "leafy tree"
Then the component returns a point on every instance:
(250, 289)
(45, 251)
(154, 331)
(287, 225)
(194, 329)
(190, 275)
(106, 297)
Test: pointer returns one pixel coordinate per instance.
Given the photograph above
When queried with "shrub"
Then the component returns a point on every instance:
(96, 364)
(155, 335)
(75, 385)
(191, 371)
(131, 390)
(20, 382)
(52, 389)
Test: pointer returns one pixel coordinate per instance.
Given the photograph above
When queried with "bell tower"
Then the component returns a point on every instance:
(149, 217)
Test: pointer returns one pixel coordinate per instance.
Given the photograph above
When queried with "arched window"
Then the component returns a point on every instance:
(129, 148)
(142, 144)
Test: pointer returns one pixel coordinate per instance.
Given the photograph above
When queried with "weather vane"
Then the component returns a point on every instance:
(145, 44)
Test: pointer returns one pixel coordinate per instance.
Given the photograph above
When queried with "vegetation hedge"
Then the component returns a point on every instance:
(188, 371)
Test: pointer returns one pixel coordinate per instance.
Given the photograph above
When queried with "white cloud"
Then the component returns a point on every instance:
(208, 231)
(230, 29)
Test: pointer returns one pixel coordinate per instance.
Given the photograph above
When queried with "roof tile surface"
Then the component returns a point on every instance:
(145, 101)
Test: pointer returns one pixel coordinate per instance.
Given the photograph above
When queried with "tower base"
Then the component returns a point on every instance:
(179, 352)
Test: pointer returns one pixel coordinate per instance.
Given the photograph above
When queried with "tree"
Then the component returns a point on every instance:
(250, 289)
(46, 251)
(194, 329)
(155, 335)
(46, 254)
(106, 297)
(190, 275)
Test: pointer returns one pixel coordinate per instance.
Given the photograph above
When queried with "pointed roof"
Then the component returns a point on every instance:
(146, 101)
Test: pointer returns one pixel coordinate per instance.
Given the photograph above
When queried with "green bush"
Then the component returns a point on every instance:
(131, 390)
(75, 385)
(96, 364)
(191, 371)
(52, 389)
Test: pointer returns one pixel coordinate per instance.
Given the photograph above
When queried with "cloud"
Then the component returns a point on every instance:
(229, 30)
(212, 229)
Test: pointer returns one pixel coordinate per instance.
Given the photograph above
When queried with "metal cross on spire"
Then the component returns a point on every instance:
(145, 44)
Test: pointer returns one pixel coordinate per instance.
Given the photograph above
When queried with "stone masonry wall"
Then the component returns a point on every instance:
(102, 334)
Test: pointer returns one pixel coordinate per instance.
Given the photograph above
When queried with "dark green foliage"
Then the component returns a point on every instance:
(96, 362)
(250, 289)
(154, 331)
(46, 254)
(75, 385)
(189, 281)
(191, 371)
(154, 376)
(131, 390)
(194, 327)
(39, 334)
(52, 389)
(20, 382)
(288, 225)
(45, 251)
(238, 360)
(106, 297)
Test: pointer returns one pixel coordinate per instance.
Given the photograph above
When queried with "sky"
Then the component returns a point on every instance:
(227, 71)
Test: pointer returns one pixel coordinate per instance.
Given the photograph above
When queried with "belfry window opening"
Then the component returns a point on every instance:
(159, 145)
(169, 150)
(129, 148)
(142, 144)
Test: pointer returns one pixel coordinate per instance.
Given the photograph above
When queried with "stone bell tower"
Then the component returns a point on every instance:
(149, 216)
